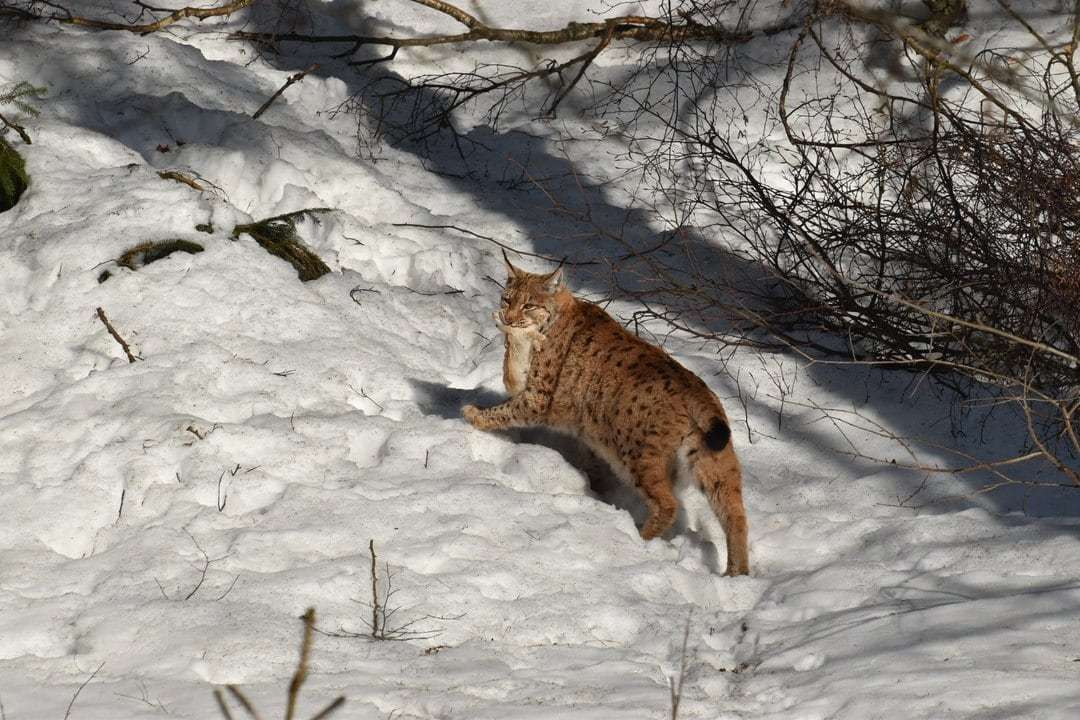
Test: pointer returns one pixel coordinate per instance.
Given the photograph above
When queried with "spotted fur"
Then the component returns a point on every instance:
(629, 401)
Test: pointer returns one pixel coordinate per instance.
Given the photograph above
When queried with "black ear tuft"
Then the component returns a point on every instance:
(510, 269)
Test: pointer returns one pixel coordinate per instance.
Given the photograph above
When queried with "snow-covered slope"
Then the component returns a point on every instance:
(169, 520)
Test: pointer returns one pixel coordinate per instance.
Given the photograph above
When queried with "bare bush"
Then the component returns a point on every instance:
(384, 623)
(926, 222)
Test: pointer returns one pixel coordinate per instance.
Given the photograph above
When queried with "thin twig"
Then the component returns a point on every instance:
(503, 245)
(144, 697)
(302, 666)
(222, 502)
(367, 397)
(374, 592)
(228, 589)
(241, 698)
(180, 178)
(292, 79)
(116, 336)
(207, 562)
(329, 709)
(675, 687)
(67, 713)
(586, 60)
(221, 704)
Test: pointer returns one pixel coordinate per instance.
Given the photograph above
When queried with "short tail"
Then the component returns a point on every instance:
(718, 475)
(709, 423)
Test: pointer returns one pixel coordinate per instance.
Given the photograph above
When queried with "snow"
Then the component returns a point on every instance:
(171, 519)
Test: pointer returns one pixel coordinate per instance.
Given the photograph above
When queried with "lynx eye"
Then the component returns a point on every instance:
(531, 307)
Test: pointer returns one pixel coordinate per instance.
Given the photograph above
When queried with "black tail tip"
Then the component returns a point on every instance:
(717, 437)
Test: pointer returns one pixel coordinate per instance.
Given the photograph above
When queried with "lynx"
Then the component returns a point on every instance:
(571, 367)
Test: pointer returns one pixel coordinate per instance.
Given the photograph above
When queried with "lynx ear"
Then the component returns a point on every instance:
(510, 269)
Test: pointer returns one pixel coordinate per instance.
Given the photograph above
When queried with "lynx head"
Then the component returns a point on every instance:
(528, 301)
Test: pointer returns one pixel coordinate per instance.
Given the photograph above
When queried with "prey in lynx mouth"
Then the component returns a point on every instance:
(571, 367)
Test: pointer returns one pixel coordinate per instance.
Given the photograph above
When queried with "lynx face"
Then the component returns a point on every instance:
(528, 301)
(526, 310)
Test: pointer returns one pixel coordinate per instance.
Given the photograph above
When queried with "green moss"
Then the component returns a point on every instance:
(148, 252)
(13, 177)
(277, 235)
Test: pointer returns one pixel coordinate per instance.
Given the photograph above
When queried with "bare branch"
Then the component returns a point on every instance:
(585, 60)
(116, 336)
(170, 19)
(630, 27)
(455, 12)
(292, 79)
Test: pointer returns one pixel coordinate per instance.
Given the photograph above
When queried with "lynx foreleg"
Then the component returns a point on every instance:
(524, 409)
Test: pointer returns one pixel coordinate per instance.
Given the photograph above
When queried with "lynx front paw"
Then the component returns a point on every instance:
(484, 418)
(472, 415)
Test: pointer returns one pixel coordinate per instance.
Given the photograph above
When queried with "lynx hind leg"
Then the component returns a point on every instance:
(654, 479)
(720, 478)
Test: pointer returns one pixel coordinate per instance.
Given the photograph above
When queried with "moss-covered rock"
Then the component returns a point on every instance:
(151, 251)
(13, 177)
(277, 235)
(147, 252)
